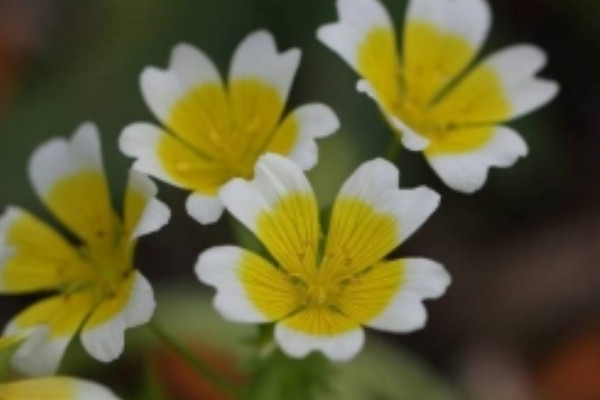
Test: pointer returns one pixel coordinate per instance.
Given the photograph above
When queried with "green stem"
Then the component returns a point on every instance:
(393, 150)
(266, 342)
(194, 362)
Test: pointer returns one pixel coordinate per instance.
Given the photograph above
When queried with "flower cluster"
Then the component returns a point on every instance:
(231, 146)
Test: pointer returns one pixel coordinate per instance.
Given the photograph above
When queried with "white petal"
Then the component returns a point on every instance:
(363, 86)
(405, 313)
(155, 214)
(203, 208)
(370, 180)
(160, 91)
(141, 305)
(422, 279)
(58, 158)
(188, 68)
(218, 267)
(376, 183)
(426, 278)
(516, 67)
(8, 218)
(140, 141)
(85, 390)
(356, 19)
(467, 172)
(257, 57)
(274, 177)
(314, 121)
(106, 342)
(192, 67)
(337, 348)
(38, 355)
(86, 149)
(469, 19)
(412, 140)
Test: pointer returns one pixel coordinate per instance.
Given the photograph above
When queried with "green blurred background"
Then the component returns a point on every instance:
(521, 320)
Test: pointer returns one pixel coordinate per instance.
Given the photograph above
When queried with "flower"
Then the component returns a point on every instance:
(430, 96)
(55, 388)
(320, 294)
(215, 132)
(97, 289)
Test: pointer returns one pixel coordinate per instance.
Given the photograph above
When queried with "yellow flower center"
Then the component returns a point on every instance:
(427, 92)
(317, 292)
(415, 114)
(110, 267)
(328, 291)
(218, 134)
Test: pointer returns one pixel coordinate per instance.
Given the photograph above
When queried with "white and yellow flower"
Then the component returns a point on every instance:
(97, 289)
(55, 388)
(321, 294)
(431, 95)
(215, 132)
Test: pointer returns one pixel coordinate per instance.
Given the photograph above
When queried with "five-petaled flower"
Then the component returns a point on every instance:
(54, 388)
(430, 95)
(321, 293)
(97, 289)
(215, 132)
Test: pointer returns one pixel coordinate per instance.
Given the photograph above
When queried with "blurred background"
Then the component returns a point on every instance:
(522, 318)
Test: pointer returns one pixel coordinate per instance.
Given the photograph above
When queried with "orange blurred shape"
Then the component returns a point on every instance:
(21, 27)
(181, 382)
(573, 371)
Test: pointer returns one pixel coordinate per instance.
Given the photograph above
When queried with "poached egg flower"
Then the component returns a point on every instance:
(320, 294)
(215, 132)
(430, 95)
(54, 388)
(96, 289)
